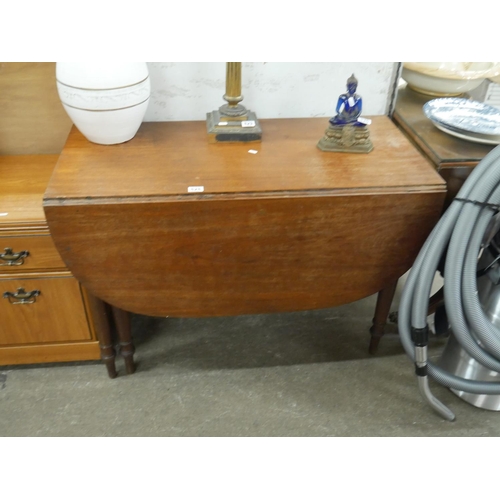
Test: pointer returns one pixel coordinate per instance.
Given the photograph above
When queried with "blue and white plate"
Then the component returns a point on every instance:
(464, 118)
(467, 136)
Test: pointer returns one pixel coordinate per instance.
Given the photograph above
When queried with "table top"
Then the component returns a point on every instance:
(167, 158)
(441, 148)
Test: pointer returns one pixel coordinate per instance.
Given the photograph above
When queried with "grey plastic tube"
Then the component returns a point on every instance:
(460, 229)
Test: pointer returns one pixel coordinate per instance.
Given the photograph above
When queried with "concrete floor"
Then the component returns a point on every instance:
(295, 374)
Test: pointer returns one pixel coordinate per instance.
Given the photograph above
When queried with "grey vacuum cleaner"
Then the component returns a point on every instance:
(467, 237)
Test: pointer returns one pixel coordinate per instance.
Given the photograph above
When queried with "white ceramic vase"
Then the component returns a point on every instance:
(106, 101)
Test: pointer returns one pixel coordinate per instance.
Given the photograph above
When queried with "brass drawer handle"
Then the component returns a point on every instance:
(13, 259)
(22, 296)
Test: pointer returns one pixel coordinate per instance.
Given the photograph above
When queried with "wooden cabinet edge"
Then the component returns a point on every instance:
(49, 353)
(37, 274)
(21, 230)
(92, 321)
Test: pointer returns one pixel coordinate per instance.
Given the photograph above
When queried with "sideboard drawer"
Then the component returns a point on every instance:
(26, 253)
(37, 310)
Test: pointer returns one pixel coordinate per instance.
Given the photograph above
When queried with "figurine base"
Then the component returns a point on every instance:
(346, 139)
(223, 128)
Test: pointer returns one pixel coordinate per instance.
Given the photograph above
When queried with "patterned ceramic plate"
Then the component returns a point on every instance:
(468, 136)
(464, 116)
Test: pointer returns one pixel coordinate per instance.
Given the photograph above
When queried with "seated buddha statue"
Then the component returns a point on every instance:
(347, 131)
(348, 106)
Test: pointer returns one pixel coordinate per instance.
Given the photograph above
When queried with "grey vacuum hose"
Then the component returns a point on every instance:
(461, 229)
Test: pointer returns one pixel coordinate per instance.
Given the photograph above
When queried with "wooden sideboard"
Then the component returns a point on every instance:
(46, 315)
(170, 225)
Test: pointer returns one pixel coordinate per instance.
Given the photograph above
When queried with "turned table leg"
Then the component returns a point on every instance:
(124, 331)
(384, 301)
(101, 321)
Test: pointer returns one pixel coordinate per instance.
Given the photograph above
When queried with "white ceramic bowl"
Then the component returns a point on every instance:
(447, 78)
(106, 101)
(105, 98)
(100, 75)
(110, 126)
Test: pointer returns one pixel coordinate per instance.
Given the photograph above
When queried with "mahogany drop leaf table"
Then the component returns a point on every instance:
(168, 224)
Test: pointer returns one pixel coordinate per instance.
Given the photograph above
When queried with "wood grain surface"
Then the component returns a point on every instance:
(443, 149)
(57, 315)
(289, 228)
(23, 179)
(59, 325)
(32, 118)
(166, 158)
(42, 253)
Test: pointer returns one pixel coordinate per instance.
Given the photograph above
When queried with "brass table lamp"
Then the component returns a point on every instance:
(232, 122)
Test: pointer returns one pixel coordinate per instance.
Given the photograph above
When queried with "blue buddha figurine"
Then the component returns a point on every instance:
(349, 106)
(347, 131)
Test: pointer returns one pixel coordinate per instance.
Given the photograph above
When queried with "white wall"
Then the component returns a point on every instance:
(187, 91)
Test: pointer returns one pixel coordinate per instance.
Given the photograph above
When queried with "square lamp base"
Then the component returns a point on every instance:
(221, 128)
